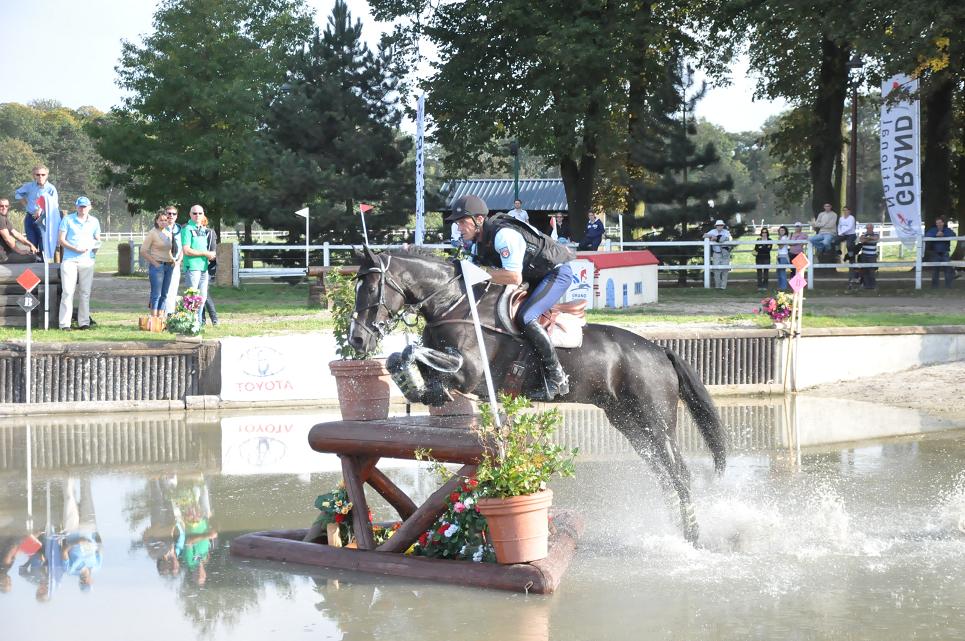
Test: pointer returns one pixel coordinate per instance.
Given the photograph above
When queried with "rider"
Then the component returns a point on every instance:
(518, 253)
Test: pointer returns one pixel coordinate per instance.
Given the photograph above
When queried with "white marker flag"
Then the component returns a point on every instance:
(901, 158)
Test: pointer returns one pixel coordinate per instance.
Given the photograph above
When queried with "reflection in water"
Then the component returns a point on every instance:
(869, 534)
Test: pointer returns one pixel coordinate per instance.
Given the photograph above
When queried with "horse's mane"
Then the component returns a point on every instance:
(410, 251)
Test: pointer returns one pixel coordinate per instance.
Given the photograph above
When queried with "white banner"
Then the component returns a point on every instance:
(420, 173)
(582, 287)
(276, 367)
(901, 158)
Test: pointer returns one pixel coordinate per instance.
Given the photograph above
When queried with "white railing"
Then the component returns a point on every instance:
(919, 263)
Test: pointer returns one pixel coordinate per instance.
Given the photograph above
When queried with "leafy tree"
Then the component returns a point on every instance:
(559, 77)
(334, 133)
(683, 195)
(199, 86)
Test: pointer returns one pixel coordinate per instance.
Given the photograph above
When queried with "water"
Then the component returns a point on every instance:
(800, 540)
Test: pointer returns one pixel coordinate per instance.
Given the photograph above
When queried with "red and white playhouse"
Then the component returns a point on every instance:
(623, 279)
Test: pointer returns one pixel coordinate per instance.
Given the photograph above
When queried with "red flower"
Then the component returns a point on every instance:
(473, 482)
(454, 497)
(423, 539)
(442, 528)
(339, 518)
(370, 516)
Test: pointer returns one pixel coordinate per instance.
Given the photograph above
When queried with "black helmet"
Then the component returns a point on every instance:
(467, 206)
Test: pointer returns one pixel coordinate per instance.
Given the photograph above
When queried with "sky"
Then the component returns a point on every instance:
(87, 36)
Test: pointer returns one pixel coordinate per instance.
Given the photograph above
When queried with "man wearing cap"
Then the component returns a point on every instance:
(719, 254)
(516, 253)
(42, 222)
(80, 235)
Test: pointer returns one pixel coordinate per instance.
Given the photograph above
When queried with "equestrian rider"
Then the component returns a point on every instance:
(516, 252)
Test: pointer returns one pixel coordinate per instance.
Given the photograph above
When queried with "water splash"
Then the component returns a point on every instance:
(951, 509)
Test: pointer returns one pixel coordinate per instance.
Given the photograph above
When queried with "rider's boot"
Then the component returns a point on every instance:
(557, 382)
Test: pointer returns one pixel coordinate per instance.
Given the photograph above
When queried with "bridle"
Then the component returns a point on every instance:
(382, 328)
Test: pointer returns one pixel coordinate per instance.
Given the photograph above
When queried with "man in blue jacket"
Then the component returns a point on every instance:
(594, 234)
(940, 251)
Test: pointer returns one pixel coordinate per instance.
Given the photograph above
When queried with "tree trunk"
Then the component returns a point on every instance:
(828, 109)
(249, 258)
(578, 180)
(936, 169)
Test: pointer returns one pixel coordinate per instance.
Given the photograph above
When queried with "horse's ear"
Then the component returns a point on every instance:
(362, 254)
(371, 255)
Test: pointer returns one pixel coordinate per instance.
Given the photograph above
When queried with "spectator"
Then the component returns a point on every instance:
(825, 225)
(797, 248)
(763, 257)
(81, 547)
(869, 254)
(518, 212)
(79, 237)
(594, 234)
(783, 257)
(559, 228)
(209, 308)
(156, 250)
(194, 244)
(10, 251)
(940, 251)
(42, 222)
(848, 233)
(719, 254)
(171, 299)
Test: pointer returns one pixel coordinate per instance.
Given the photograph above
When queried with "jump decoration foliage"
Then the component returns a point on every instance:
(522, 462)
(340, 291)
(184, 320)
(777, 308)
(335, 507)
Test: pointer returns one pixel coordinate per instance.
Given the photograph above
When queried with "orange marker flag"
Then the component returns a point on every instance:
(364, 208)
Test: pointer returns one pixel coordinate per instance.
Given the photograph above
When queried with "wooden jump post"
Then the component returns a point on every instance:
(360, 445)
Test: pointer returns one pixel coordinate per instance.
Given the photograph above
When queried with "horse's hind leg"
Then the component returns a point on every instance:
(652, 439)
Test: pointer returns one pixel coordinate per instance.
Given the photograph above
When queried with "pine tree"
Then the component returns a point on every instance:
(681, 204)
(334, 136)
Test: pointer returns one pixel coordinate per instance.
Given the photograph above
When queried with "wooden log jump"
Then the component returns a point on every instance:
(11, 315)
(449, 439)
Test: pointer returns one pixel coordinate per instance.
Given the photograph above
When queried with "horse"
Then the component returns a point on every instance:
(636, 382)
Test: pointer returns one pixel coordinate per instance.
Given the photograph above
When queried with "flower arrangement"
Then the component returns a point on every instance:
(461, 532)
(184, 320)
(778, 307)
(525, 458)
(335, 507)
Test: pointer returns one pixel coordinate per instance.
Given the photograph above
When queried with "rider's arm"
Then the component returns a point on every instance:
(511, 247)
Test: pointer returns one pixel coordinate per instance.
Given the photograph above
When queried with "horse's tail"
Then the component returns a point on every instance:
(702, 408)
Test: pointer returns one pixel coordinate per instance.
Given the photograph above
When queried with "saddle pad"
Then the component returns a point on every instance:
(566, 330)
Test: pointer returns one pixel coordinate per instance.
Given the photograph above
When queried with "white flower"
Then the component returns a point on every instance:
(452, 529)
(462, 550)
(469, 501)
(478, 555)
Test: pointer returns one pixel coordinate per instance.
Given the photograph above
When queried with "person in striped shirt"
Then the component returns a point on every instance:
(869, 254)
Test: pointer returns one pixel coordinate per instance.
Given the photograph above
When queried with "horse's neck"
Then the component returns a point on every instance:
(440, 290)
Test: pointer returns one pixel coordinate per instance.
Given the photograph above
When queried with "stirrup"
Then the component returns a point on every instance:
(551, 388)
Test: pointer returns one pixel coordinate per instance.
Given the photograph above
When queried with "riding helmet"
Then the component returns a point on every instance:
(467, 206)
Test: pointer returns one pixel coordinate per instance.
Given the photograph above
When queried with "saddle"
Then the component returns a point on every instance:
(563, 322)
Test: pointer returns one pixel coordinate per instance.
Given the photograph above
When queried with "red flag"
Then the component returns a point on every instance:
(364, 208)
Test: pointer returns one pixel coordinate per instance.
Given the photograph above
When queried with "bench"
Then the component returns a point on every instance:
(11, 314)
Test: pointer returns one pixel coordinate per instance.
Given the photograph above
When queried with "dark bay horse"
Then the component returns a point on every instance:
(634, 381)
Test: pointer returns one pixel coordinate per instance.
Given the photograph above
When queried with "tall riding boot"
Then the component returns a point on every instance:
(557, 383)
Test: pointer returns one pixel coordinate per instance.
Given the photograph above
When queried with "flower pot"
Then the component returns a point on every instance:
(363, 389)
(518, 526)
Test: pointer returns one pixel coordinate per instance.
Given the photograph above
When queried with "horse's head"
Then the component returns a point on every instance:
(378, 300)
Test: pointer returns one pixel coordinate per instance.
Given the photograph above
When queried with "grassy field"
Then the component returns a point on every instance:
(254, 310)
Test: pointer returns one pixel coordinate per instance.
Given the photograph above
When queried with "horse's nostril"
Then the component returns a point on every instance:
(355, 341)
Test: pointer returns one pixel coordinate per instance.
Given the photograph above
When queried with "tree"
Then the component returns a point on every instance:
(557, 76)
(199, 89)
(334, 133)
(682, 196)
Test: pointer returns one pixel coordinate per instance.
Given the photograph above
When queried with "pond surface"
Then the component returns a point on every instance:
(801, 540)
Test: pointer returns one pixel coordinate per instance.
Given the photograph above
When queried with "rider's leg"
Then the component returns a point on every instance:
(543, 297)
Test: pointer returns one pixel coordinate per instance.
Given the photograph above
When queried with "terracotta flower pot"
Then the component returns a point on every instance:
(363, 389)
(518, 526)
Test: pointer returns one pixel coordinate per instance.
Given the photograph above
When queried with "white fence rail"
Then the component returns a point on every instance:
(919, 263)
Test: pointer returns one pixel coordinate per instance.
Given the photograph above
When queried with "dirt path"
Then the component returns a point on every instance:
(938, 389)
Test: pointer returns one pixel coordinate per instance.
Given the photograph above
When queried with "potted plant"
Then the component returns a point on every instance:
(184, 321)
(777, 308)
(513, 477)
(363, 384)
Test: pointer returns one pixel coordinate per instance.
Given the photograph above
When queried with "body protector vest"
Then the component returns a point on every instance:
(543, 254)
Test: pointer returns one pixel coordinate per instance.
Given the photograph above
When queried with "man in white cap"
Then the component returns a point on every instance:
(80, 236)
(719, 254)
